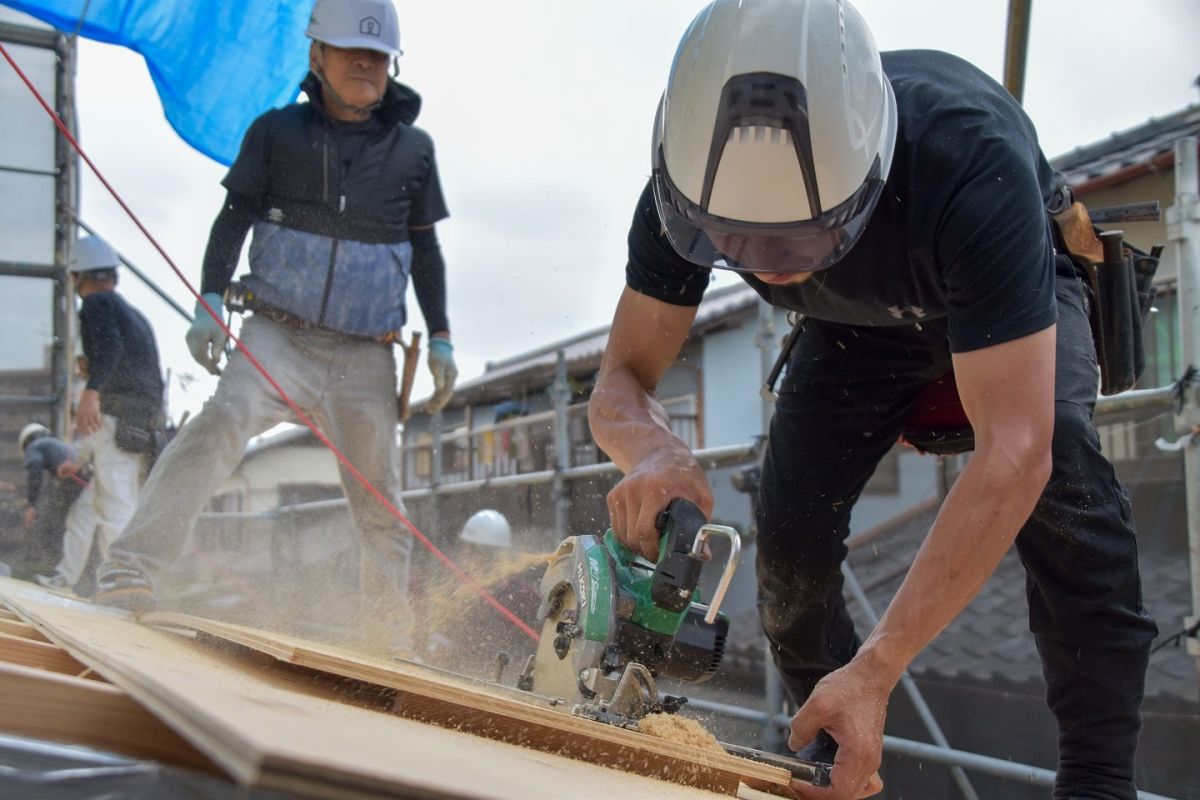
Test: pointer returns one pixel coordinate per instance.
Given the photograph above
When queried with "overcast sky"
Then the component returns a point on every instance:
(541, 113)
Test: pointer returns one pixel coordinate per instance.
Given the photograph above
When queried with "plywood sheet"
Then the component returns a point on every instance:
(441, 699)
(271, 726)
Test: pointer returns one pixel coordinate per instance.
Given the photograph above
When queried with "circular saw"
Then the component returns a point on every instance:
(613, 622)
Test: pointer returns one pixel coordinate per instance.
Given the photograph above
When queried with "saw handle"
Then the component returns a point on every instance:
(681, 556)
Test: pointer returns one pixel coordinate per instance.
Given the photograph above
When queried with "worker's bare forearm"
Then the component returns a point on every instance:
(980, 519)
(627, 420)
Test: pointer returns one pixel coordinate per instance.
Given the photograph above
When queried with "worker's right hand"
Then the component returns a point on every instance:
(66, 469)
(849, 704)
(635, 502)
(206, 338)
(29, 517)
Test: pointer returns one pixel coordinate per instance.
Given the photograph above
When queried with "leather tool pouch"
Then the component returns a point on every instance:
(138, 426)
(1121, 279)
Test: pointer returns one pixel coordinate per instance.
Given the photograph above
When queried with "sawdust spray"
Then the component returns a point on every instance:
(458, 630)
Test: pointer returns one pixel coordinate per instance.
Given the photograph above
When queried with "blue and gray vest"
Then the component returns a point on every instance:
(331, 245)
(363, 286)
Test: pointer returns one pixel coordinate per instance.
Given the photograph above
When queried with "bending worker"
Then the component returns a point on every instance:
(67, 504)
(899, 204)
(342, 193)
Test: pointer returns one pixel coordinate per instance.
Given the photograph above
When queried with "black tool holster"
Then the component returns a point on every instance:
(1121, 279)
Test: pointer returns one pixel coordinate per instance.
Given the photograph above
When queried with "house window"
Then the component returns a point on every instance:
(293, 494)
(228, 503)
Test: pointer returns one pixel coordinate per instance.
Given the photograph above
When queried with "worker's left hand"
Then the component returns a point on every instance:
(66, 469)
(87, 416)
(850, 704)
(29, 517)
(441, 366)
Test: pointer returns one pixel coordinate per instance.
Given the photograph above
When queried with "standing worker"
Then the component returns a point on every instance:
(342, 193)
(120, 409)
(899, 204)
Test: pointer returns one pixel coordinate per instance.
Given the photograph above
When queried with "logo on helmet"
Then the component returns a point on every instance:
(369, 26)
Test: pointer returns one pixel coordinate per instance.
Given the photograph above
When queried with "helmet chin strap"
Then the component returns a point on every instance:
(329, 92)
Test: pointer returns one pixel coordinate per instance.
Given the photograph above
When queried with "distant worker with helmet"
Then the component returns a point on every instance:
(899, 203)
(342, 193)
(119, 413)
(466, 633)
(56, 509)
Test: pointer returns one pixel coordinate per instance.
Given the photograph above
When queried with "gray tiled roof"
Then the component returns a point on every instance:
(585, 349)
(1137, 145)
(989, 643)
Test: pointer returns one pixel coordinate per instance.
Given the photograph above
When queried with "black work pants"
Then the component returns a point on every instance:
(841, 407)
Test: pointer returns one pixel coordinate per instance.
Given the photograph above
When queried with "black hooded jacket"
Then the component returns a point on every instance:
(372, 181)
(366, 181)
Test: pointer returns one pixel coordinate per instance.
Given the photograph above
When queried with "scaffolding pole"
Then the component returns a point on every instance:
(1183, 231)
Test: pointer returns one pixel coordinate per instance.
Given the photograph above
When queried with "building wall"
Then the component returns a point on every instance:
(257, 479)
(732, 377)
(1154, 186)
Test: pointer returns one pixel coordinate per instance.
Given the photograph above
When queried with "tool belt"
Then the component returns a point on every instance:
(140, 423)
(1121, 279)
(1121, 282)
(240, 299)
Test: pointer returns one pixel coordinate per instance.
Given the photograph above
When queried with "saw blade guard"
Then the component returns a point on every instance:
(578, 609)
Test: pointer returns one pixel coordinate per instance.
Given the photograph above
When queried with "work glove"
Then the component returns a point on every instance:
(205, 338)
(441, 366)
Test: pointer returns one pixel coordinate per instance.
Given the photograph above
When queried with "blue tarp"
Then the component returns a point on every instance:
(216, 64)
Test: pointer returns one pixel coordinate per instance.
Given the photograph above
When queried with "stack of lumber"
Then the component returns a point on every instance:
(45, 693)
(276, 712)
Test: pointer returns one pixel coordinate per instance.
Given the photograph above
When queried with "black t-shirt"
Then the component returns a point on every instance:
(122, 354)
(960, 232)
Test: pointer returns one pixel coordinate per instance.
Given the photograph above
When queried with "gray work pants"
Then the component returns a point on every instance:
(348, 387)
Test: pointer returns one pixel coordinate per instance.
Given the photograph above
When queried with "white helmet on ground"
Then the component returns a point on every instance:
(93, 254)
(487, 527)
(350, 24)
(30, 432)
(774, 137)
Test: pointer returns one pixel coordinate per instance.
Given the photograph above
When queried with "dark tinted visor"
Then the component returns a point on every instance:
(803, 246)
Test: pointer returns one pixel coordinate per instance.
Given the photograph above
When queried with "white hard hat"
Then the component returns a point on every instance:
(349, 24)
(93, 253)
(774, 136)
(487, 527)
(29, 432)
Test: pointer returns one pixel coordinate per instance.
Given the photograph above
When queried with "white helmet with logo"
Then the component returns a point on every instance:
(350, 24)
(774, 137)
(33, 430)
(487, 527)
(92, 254)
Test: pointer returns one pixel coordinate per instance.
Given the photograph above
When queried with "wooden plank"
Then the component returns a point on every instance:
(441, 700)
(9, 615)
(39, 655)
(22, 630)
(44, 705)
(274, 726)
